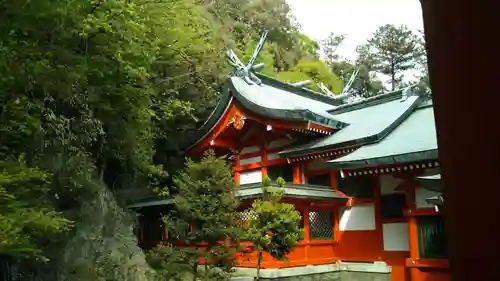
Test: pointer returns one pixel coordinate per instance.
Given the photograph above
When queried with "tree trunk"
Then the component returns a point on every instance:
(259, 261)
(393, 77)
(195, 270)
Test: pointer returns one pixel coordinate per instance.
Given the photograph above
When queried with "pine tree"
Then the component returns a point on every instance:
(391, 51)
(205, 210)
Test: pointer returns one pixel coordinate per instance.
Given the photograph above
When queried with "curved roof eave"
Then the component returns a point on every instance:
(387, 160)
(298, 115)
(197, 136)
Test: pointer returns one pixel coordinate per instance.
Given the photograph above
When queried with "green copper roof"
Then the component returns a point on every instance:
(369, 122)
(413, 140)
(293, 191)
(255, 190)
(279, 100)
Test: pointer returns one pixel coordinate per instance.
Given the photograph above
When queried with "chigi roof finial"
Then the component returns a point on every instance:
(245, 71)
(409, 91)
(346, 95)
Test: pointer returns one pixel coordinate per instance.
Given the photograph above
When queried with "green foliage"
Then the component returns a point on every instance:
(24, 217)
(391, 51)
(274, 226)
(330, 46)
(206, 201)
(315, 70)
(365, 84)
(170, 262)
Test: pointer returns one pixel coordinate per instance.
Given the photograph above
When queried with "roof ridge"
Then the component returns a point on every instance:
(303, 92)
(371, 101)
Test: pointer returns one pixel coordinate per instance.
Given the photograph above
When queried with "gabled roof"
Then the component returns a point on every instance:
(413, 140)
(279, 100)
(369, 121)
(271, 99)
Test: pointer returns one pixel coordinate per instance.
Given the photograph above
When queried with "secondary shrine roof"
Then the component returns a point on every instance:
(413, 140)
(293, 191)
(369, 121)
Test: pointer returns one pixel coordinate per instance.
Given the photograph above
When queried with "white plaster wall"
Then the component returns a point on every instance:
(388, 183)
(252, 176)
(396, 236)
(358, 217)
(251, 160)
(249, 149)
(421, 194)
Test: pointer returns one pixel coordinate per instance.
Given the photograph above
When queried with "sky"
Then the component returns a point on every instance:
(357, 19)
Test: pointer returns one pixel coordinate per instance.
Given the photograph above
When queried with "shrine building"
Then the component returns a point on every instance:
(363, 173)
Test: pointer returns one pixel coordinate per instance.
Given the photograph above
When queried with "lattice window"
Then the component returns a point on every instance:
(432, 237)
(321, 225)
(243, 216)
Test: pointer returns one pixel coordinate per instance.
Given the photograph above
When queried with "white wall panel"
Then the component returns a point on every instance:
(358, 217)
(254, 176)
(396, 236)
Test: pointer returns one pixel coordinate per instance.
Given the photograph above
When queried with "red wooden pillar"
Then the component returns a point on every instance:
(237, 164)
(460, 48)
(297, 173)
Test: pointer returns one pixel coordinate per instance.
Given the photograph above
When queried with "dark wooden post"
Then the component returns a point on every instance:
(463, 64)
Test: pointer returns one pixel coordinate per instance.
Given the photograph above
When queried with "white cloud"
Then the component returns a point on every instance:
(357, 19)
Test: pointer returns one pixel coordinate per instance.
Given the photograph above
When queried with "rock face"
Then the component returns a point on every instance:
(104, 246)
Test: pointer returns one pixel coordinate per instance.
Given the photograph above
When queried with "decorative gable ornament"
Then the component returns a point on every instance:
(346, 95)
(409, 91)
(245, 71)
(239, 122)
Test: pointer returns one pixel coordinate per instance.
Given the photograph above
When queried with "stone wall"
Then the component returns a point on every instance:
(336, 276)
(332, 272)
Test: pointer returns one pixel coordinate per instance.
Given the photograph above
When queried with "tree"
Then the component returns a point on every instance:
(330, 46)
(205, 209)
(391, 51)
(314, 70)
(24, 218)
(273, 227)
(423, 76)
(365, 83)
